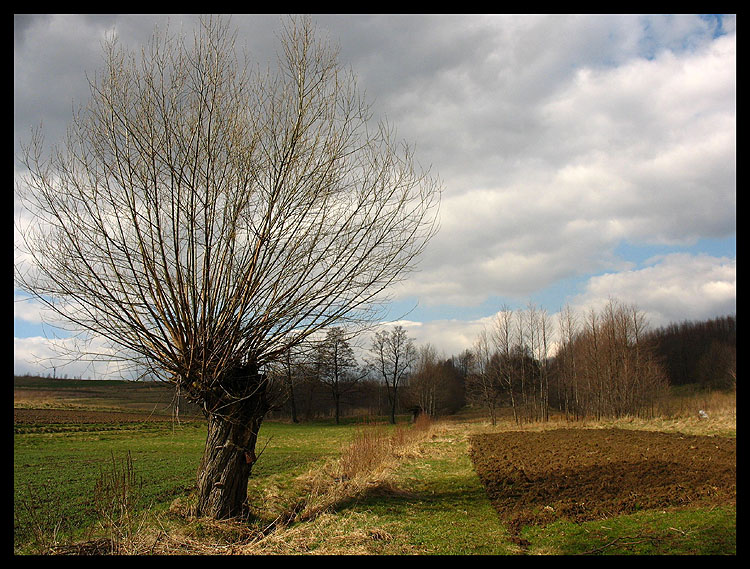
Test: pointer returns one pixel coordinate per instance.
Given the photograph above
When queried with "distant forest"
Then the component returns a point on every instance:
(702, 353)
(698, 353)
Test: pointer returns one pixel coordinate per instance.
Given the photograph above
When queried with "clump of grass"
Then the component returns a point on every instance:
(374, 446)
(718, 404)
(39, 515)
(363, 464)
(370, 448)
(116, 494)
(681, 413)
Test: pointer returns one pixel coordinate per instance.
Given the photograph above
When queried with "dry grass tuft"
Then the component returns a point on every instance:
(674, 413)
(363, 467)
(351, 533)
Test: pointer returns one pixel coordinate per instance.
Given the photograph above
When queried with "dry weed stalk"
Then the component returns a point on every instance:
(46, 526)
(115, 495)
(363, 465)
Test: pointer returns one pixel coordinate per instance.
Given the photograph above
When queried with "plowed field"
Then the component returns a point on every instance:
(47, 416)
(589, 474)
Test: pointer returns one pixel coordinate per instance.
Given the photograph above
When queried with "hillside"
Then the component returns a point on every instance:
(32, 392)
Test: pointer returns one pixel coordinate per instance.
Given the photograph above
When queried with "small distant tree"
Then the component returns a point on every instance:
(292, 371)
(464, 362)
(568, 388)
(427, 383)
(392, 357)
(501, 336)
(436, 386)
(717, 366)
(337, 367)
(483, 382)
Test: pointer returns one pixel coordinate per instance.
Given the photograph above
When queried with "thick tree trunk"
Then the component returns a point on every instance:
(229, 455)
(225, 469)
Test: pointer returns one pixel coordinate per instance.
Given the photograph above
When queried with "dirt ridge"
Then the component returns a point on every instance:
(534, 478)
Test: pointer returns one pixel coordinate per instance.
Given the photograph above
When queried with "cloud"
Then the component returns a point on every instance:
(672, 288)
(448, 336)
(27, 309)
(558, 138)
(643, 151)
(669, 288)
(72, 356)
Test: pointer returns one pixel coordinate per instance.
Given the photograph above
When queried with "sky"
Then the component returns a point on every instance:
(582, 157)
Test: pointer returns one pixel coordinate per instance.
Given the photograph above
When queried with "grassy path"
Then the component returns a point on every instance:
(446, 510)
(431, 504)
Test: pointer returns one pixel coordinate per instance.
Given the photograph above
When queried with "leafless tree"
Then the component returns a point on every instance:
(292, 371)
(204, 218)
(337, 367)
(568, 389)
(538, 336)
(607, 367)
(484, 384)
(501, 335)
(464, 362)
(517, 346)
(392, 357)
(428, 385)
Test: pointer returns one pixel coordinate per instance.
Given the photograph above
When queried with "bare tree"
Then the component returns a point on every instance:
(539, 329)
(337, 367)
(607, 366)
(568, 388)
(464, 362)
(392, 357)
(484, 384)
(204, 219)
(501, 337)
(432, 383)
(292, 372)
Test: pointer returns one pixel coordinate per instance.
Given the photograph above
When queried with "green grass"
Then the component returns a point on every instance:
(440, 506)
(57, 471)
(431, 503)
(688, 532)
(434, 504)
(56, 467)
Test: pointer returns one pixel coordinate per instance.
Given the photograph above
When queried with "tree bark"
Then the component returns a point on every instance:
(225, 469)
(229, 454)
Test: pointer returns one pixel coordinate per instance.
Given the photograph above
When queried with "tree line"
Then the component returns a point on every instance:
(324, 379)
(702, 353)
(600, 363)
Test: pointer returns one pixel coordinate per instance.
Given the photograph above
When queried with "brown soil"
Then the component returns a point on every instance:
(589, 474)
(45, 416)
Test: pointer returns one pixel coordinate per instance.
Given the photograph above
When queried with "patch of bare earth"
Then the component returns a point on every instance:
(44, 416)
(534, 478)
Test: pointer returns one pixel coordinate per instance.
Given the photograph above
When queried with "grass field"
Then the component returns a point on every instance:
(423, 496)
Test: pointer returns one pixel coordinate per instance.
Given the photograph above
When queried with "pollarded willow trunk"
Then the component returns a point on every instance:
(229, 455)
